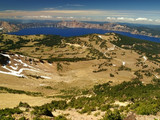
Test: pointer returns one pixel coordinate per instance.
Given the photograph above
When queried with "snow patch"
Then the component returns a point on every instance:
(75, 45)
(50, 64)
(123, 63)
(114, 65)
(14, 68)
(9, 62)
(6, 55)
(16, 73)
(42, 84)
(100, 36)
(145, 58)
(16, 55)
(22, 69)
(24, 64)
(10, 73)
(45, 77)
(157, 76)
(21, 56)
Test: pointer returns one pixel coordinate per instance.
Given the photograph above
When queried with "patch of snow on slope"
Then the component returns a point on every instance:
(145, 58)
(21, 56)
(100, 36)
(11, 73)
(123, 63)
(50, 64)
(16, 73)
(45, 77)
(24, 64)
(14, 68)
(42, 84)
(157, 76)
(114, 65)
(6, 55)
(16, 55)
(75, 45)
(22, 69)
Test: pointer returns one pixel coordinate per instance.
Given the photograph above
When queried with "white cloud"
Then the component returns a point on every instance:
(125, 19)
(71, 17)
(49, 8)
(146, 17)
(38, 17)
(150, 20)
(47, 17)
(158, 20)
(120, 18)
(132, 20)
(59, 17)
(110, 18)
(141, 19)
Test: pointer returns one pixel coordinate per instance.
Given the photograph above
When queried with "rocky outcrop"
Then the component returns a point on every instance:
(3, 59)
(7, 27)
(105, 26)
(131, 116)
(75, 24)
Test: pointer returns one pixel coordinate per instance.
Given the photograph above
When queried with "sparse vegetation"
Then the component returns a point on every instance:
(9, 90)
(143, 99)
(124, 68)
(109, 115)
(111, 75)
(103, 98)
(60, 117)
(74, 59)
(36, 76)
(142, 46)
(100, 70)
(26, 105)
(49, 40)
(6, 114)
(59, 67)
(47, 108)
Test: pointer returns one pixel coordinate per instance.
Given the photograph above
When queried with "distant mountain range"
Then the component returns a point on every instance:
(152, 31)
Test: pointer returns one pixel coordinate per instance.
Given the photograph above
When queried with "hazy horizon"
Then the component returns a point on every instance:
(137, 11)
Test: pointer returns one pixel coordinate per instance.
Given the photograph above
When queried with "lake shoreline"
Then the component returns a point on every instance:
(70, 32)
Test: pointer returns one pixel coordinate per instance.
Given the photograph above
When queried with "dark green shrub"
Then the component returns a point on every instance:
(112, 115)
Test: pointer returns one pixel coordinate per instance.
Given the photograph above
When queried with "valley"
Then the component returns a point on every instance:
(83, 77)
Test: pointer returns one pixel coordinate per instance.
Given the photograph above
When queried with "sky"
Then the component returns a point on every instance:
(131, 11)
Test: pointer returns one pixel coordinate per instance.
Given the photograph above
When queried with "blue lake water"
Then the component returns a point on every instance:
(68, 32)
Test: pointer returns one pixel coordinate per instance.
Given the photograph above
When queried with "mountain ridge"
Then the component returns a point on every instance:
(76, 24)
